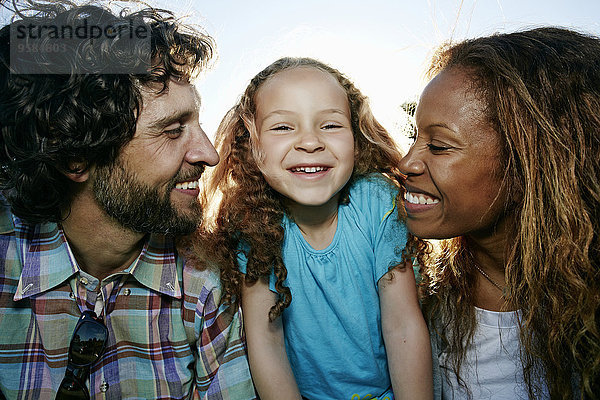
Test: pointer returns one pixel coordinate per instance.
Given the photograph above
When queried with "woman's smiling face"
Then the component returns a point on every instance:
(454, 173)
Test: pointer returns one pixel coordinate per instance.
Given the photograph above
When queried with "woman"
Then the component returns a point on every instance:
(505, 168)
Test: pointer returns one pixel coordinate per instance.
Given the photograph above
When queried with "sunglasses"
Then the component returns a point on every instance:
(87, 345)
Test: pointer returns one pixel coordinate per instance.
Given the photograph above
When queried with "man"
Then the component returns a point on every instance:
(100, 164)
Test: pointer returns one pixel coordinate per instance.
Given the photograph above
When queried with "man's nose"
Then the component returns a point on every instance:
(201, 150)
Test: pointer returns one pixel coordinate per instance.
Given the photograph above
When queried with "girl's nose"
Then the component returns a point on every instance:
(309, 141)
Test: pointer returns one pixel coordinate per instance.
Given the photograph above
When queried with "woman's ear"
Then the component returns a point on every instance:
(77, 171)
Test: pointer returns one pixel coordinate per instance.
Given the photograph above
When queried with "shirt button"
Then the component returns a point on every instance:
(72, 295)
(84, 280)
(103, 387)
(126, 292)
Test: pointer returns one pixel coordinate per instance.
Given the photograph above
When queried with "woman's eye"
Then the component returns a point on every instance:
(433, 148)
(175, 133)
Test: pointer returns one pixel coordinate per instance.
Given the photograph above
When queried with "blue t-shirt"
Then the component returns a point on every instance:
(333, 325)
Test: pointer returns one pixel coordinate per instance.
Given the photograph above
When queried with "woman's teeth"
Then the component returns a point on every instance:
(309, 170)
(187, 185)
(418, 198)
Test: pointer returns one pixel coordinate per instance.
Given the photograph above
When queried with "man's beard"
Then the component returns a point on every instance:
(140, 207)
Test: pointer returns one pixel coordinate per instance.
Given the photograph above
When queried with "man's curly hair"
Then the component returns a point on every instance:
(48, 121)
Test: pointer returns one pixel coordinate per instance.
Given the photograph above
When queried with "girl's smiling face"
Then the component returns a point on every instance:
(304, 136)
(454, 174)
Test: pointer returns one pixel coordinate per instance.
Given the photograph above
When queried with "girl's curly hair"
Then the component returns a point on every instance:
(249, 211)
(542, 91)
(49, 120)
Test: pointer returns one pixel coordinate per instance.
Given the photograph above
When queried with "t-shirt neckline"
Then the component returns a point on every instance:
(294, 229)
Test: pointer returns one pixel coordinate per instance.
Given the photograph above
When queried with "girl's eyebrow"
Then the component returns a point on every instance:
(333, 111)
(280, 112)
(289, 112)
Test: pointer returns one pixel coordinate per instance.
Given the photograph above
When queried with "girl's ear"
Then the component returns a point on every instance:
(77, 171)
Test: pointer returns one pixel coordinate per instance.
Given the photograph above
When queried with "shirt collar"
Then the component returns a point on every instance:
(47, 264)
(46, 261)
(158, 266)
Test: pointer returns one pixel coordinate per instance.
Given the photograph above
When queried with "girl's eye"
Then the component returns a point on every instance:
(332, 126)
(437, 149)
(175, 133)
(281, 128)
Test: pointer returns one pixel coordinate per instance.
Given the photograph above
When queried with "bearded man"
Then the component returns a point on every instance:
(101, 156)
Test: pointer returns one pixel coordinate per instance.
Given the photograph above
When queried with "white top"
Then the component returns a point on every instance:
(492, 368)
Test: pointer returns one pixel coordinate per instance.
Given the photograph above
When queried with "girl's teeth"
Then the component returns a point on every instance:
(309, 170)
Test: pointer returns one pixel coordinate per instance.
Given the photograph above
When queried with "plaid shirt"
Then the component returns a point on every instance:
(168, 337)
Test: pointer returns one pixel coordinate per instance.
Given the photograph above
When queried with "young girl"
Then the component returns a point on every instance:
(329, 297)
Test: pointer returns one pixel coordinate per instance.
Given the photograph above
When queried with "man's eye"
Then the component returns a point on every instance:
(175, 133)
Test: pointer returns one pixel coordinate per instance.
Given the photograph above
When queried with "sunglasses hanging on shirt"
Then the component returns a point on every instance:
(87, 346)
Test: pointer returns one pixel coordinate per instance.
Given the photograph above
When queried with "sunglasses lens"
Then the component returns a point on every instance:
(87, 343)
(72, 389)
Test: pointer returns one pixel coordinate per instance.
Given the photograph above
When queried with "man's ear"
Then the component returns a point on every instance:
(77, 171)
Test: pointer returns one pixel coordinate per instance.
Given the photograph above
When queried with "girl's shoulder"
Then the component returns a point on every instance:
(375, 181)
(373, 199)
(373, 188)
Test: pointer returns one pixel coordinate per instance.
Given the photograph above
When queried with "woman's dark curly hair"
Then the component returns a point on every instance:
(48, 121)
(542, 92)
(249, 209)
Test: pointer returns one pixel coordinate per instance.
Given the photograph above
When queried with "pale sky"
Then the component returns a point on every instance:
(382, 45)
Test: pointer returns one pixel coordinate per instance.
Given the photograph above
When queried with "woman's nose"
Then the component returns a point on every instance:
(411, 163)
